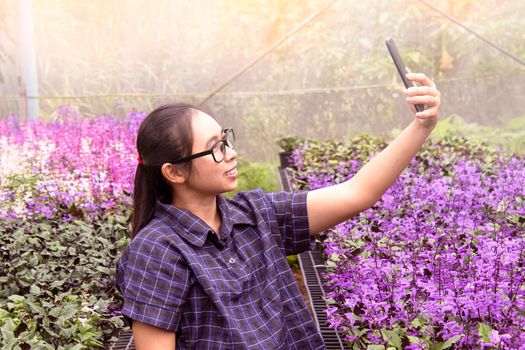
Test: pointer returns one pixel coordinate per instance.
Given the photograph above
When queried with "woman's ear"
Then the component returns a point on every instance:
(173, 174)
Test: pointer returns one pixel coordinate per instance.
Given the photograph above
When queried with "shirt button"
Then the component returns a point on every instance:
(232, 261)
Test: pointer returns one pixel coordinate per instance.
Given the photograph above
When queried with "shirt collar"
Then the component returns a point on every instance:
(194, 230)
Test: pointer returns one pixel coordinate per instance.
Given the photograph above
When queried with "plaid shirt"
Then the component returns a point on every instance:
(234, 291)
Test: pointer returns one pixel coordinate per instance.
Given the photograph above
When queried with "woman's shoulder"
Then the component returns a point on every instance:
(156, 235)
(152, 249)
(155, 228)
(152, 245)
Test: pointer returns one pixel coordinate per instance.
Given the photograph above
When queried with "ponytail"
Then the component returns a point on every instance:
(144, 197)
(163, 136)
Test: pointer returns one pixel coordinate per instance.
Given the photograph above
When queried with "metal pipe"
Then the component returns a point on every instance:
(27, 59)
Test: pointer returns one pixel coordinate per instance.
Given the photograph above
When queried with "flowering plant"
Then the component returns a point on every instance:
(65, 206)
(69, 168)
(438, 261)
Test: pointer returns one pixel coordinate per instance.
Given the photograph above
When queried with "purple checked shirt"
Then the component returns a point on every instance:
(234, 291)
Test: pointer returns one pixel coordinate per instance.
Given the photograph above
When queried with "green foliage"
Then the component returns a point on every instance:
(253, 175)
(330, 157)
(289, 143)
(397, 338)
(392, 338)
(484, 332)
(332, 79)
(510, 137)
(335, 161)
(293, 261)
(57, 289)
(67, 321)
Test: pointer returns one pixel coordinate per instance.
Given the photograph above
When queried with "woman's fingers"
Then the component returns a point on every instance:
(429, 113)
(424, 94)
(420, 78)
(427, 100)
(421, 90)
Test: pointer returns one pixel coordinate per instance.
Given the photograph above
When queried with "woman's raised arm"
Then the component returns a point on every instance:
(332, 205)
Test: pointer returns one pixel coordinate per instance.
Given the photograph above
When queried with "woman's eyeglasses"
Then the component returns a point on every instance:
(217, 151)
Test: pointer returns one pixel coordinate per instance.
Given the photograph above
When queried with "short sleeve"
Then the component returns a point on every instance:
(291, 215)
(154, 280)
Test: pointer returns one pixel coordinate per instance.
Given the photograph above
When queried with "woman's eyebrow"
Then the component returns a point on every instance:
(213, 139)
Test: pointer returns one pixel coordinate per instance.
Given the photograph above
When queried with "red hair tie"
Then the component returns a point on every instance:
(140, 159)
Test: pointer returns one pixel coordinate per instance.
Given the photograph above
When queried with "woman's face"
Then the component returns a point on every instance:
(208, 176)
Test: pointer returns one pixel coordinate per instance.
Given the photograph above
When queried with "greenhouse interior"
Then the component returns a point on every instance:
(229, 174)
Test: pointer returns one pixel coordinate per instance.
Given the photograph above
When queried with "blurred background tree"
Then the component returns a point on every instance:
(334, 78)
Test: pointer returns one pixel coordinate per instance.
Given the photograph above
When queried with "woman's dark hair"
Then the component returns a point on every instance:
(164, 136)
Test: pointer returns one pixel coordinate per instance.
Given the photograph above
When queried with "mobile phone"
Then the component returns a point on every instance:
(401, 67)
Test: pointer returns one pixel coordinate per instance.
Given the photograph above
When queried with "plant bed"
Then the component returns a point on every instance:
(65, 200)
(57, 288)
(64, 205)
(438, 260)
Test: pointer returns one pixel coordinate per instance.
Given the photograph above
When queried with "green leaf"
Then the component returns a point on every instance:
(329, 301)
(121, 219)
(334, 257)
(35, 309)
(105, 270)
(414, 340)
(391, 337)
(375, 347)
(90, 337)
(16, 298)
(50, 330)
(437, 346)
(69, 310)
(452, 341)
(484, 331)
(55, 312)
(57, 284)
(69, 332)
(34, 289)
(9, 325)
(418, 322)
(78, 347)
(11, 342)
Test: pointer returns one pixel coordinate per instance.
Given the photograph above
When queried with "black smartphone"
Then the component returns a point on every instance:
(401, 68)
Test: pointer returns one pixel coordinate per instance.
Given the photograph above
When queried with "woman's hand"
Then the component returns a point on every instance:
(425, 94)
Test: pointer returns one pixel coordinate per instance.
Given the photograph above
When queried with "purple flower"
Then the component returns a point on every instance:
(440, 252)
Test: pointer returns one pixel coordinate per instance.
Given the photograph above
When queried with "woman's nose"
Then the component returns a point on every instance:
(230, 153)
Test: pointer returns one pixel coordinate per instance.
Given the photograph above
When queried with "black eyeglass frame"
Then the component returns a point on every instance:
(210, 151)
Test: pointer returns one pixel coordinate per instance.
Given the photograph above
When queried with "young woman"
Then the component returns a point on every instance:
(204, 272)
